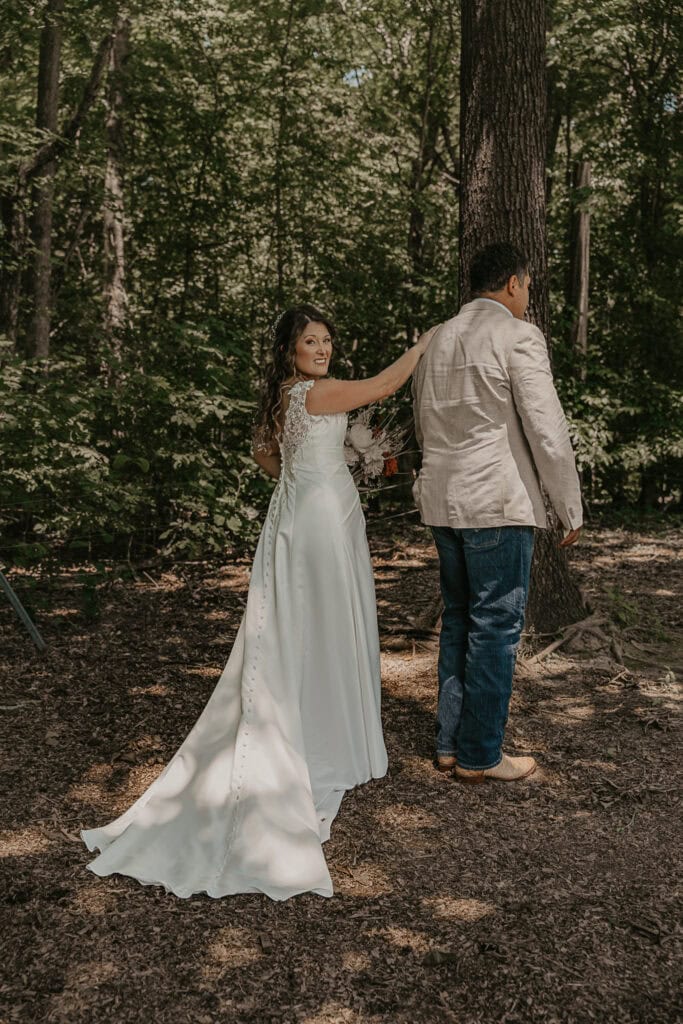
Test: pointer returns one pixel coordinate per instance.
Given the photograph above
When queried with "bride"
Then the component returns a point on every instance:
(294, 720)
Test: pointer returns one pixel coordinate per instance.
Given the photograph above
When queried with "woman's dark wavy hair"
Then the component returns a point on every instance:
(267, 425)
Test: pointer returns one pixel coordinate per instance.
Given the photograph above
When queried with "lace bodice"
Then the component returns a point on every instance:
(306, 434)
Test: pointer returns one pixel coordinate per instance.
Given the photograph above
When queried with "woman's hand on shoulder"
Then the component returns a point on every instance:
(423, 341)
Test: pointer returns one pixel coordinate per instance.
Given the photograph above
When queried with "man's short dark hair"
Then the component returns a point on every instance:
(494, 265)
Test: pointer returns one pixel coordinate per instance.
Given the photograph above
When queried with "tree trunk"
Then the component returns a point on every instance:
(555, 111)
(46, 120)
(13, 202)
(580, 249)
(14, 224)
(113, 210)
(423, 158)
(280, 149)
(503, 130)
(503, 136)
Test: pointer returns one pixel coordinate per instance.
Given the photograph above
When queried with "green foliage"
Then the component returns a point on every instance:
(616, 100)
(307, 151)
(157, 461)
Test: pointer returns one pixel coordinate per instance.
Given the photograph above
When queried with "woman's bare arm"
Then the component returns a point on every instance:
(268, 462)
(330, 396)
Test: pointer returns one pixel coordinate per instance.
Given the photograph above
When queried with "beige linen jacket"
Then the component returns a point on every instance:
(489, 423)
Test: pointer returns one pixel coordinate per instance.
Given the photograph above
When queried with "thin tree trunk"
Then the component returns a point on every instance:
(14, 223)
(46, 120)
(279, 157)
(503, 164)
(115, 297)
(13, 202)
(553, 124)
(580, 251)
(424, 155)
(54, 149)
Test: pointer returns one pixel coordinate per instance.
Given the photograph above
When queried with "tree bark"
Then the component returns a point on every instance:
(503, 136)
(46, 120)
(503, 132)
(416, 222)
(580, 251)
(13, 201)
(54, 149)
(280, 148)
(14, 224)
(115, 298)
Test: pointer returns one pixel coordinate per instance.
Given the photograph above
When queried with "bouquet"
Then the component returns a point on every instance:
(371, 450)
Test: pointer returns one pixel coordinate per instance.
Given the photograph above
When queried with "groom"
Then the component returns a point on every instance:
(490, 426)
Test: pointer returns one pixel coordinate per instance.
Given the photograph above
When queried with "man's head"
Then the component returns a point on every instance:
(500, 271)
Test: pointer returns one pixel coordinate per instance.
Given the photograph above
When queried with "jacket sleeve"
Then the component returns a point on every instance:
(545, 425)
(416, 405)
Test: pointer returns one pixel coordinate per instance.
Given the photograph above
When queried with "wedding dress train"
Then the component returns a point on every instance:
(294, 721)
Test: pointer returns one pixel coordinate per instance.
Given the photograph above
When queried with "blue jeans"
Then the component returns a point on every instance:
(484, 583)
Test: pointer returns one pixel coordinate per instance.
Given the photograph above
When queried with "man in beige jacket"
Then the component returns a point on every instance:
(490, 425)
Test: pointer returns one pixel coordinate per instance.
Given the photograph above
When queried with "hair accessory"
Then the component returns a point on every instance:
(275, 324)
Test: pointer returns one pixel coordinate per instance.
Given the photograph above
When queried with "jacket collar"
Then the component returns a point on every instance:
(488, 305)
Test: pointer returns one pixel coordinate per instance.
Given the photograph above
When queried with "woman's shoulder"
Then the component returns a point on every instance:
(294, 393)
(296, 384)
(294, 397)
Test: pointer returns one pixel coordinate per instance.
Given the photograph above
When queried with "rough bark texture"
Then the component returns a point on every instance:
(46, 120)
(503, 136)
(503, 132)
(115, 299)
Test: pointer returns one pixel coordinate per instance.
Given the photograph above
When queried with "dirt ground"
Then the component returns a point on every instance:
(551, 900)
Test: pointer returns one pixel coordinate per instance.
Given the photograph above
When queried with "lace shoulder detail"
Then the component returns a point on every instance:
(297, 420)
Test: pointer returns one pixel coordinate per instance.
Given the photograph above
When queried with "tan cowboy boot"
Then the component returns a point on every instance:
(510, 769)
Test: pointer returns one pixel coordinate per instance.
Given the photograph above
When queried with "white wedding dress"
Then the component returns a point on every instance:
(294, 721)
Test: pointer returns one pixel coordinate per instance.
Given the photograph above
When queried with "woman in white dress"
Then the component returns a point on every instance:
(294, 721)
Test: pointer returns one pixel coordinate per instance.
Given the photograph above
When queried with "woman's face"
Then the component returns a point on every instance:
(313, 350)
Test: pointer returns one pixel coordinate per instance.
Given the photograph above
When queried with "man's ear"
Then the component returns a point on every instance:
(512, 285)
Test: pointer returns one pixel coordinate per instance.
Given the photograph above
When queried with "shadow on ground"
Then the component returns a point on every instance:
(549, 901)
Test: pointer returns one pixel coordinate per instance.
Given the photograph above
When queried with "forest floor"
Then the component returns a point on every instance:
(551, 900)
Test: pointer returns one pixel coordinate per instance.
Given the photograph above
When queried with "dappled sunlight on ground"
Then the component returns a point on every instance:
(231, 947)
(403, 938)
(23, 842)
(153, 690)
(359, 879)
(407, 819)
(80, 983)
(353, 960)
(551, 900)
(453, 909)
(94, 899)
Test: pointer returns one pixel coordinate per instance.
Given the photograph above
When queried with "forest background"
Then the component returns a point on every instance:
(173, 175)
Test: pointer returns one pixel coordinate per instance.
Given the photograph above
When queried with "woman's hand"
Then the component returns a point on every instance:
(269, 462)
(422, 343)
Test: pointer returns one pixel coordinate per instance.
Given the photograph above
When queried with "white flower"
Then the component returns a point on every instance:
(360, 437)
(351, 455)
(373, 464)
